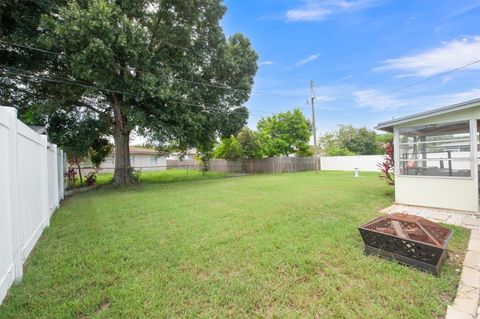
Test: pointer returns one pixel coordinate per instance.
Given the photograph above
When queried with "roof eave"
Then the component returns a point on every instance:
(388, 125)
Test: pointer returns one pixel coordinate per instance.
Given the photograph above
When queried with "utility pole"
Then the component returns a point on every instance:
(314, 128)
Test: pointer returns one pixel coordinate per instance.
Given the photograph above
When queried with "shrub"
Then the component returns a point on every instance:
(71, 175)
(388, 164)
(91, 178)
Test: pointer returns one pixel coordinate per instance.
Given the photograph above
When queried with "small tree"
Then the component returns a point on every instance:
(229, 149)
(81, 139)
(286, 133)
(250, 144)
(388, 164)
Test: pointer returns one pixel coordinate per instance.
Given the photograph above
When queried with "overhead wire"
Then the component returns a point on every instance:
(164, 66)
(17, 71)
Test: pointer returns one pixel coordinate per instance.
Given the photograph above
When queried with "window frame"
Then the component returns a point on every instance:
(471, 140)
(152, 157)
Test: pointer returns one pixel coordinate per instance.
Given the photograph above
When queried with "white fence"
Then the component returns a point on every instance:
(365, 163)
(31, 187)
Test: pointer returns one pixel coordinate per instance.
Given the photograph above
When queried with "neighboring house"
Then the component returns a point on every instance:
(188, 155)
(140, 158)
(436, 157)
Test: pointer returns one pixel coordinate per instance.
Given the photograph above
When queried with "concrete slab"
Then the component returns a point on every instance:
(472, 259)
(474, 244)
(454, 313)
(470, 277)
(467, 299)
(472, 221)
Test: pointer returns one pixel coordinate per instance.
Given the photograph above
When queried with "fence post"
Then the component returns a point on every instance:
(45, 209)
(61, 170)
(17, 238)
(56, 191)
(65, 167)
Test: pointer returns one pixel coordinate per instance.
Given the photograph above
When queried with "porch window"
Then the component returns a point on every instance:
(436, 150)
(153, 160)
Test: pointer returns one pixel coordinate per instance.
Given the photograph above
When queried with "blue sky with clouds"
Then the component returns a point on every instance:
(359, 52)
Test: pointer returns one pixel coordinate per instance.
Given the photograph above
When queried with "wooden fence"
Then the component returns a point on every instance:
(251, 166)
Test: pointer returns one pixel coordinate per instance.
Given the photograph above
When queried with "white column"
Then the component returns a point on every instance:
(474, 156)
(396, 154)
(17, 237)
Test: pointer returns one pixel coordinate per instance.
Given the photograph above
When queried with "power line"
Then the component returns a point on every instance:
(439, 75)
(433, 77)
(17, 71)
(166, 65)
(163, 41)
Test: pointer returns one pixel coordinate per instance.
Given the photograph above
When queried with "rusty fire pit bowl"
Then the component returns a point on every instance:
(408, 239)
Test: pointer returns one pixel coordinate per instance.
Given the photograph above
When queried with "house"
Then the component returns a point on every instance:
(189, 154)
(436, 157)
(140, 158)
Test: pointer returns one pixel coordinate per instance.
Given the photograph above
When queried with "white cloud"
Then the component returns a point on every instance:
(377, 101)
(308, 13)
(265, 63)
(461, 96)
(449, 56)
(318, 10)
(308, 59)
(465, 9)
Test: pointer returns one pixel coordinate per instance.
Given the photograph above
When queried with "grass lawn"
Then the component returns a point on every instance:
(166, 176)
(283, 245)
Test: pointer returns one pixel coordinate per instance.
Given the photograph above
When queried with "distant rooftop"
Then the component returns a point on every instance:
(135, 150)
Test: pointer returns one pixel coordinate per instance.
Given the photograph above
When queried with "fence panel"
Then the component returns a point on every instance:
(251, 166)
(365, 163)
(29, 193)
(6, 246)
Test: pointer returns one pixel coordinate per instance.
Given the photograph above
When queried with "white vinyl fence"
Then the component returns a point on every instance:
(365, 163)
(31, 187)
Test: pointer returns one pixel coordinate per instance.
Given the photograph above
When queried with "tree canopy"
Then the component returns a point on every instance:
(286, 133)
(348, 140)
(162, 68)
(246, 144)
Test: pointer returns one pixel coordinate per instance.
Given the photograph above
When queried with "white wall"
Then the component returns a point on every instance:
(141, 161)
(366, 163)
(144, 162)
(31, 188)
(460, 193)
(438, 192)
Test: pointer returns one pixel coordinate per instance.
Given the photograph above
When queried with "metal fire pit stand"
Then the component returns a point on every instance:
(409, 240)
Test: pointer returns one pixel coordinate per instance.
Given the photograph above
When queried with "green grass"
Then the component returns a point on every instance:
(166, 176)
(283, 246)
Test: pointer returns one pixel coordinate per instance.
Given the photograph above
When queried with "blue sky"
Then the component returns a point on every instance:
(358, 52)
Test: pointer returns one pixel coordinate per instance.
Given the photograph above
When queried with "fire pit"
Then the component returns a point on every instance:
(410, 240)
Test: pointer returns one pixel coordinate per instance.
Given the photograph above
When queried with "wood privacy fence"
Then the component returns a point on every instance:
(31, 187)
(251, 166)
(365, 163)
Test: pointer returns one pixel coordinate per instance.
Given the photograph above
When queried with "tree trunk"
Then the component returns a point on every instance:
(80, 173)
(123, 174)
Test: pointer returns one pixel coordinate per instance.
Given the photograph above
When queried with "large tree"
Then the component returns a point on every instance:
(162, 68)
(286, 133)
(349, 140)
